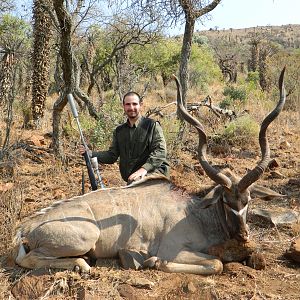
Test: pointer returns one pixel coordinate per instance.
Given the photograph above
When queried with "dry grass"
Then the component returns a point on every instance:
(38, 179)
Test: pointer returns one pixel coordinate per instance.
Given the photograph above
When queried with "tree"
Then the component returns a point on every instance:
(6, 5)
(192, 11)
(71, 70)
(266, 50)
(253, 62)
(68, 62)
(290, 59)
(13, 46)
(230, 55)
(159, 58)
(171, 12)
(13, 42)
(42, 32)
(204, 69)
(117, 36)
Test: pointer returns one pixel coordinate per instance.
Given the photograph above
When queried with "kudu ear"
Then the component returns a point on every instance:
(212, 197)
(259, 191)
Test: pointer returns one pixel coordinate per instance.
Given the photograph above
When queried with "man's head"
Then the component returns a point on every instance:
(132, 104)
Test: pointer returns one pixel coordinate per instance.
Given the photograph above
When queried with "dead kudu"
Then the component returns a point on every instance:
(148, 224)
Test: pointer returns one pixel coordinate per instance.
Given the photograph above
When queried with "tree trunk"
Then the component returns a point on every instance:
(6, 78)
(66, 54)
(42, 31)
(7, 92)
(185, 55)
(254, 56)
(264, 81)
(191, 15)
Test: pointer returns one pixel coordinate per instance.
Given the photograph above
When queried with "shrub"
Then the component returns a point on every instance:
(111, 115)
(252, 81)
(253, 77)
(235, 93)
(226, 103)
(203, 69)
(239, 132)
(234, 96)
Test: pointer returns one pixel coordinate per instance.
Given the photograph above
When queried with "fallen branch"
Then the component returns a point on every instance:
(215, 109)
(195, 106)
(157, 110)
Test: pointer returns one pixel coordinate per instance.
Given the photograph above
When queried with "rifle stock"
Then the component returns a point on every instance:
(87, 159)
(90, 171)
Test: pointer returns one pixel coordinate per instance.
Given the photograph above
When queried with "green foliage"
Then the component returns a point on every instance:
(201, 40)
(102, 42)
(171, 128)
(203, 68)
(239, 132)
(96, 49)
(226, 103)
(234, 96)
(13, 32)
(253, 78)
(111, 116)
(159, 58)
(290, 60)
(235, 93)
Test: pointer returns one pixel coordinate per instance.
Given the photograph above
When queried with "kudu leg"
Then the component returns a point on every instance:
(209, 268)
(188, 262)
(132, 259)
(35, 259)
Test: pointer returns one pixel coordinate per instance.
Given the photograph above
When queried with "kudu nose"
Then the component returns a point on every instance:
(243, 234)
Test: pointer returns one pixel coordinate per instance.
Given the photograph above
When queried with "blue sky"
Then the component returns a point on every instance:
(237, 14)
(251, 13)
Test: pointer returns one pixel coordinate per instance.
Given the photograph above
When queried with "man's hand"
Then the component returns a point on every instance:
(139, 174)
(82, 150)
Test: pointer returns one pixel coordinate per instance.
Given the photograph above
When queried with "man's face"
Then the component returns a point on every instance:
(132, 106)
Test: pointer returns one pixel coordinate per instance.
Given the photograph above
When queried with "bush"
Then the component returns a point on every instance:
(234, 96)
(235, 93)
(239, 132)
(111, 115)
(252, 80)
(203, 70)
(253, 77)
(226, 103)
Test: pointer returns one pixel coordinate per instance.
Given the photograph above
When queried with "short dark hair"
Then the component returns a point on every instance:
(131, 93)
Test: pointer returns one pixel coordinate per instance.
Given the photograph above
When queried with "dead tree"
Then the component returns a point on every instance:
(228, 66)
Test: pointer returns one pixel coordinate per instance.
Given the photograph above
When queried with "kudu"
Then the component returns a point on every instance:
(148, 224)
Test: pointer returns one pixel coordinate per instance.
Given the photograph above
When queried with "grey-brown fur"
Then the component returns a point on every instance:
(152, 217)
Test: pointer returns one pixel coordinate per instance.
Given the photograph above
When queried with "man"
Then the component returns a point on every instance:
(139, 143)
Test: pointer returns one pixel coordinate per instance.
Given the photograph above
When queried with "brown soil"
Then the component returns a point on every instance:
(36, 179)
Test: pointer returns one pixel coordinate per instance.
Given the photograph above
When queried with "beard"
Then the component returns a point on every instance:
(132, 114)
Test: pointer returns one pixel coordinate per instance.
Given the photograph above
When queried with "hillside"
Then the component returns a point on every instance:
(286, 35)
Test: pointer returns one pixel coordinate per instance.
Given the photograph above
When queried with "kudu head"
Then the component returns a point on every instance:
(234, 192)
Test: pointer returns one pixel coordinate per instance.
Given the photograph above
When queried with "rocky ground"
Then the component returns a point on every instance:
(35, 179)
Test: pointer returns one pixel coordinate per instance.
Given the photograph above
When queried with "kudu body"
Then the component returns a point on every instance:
(147, 224)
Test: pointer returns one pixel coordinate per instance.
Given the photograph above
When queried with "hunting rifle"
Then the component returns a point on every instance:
(87, 158)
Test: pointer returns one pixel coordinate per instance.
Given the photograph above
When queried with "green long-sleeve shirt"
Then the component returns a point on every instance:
(142, 145)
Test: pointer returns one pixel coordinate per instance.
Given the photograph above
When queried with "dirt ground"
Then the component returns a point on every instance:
(38, 179)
